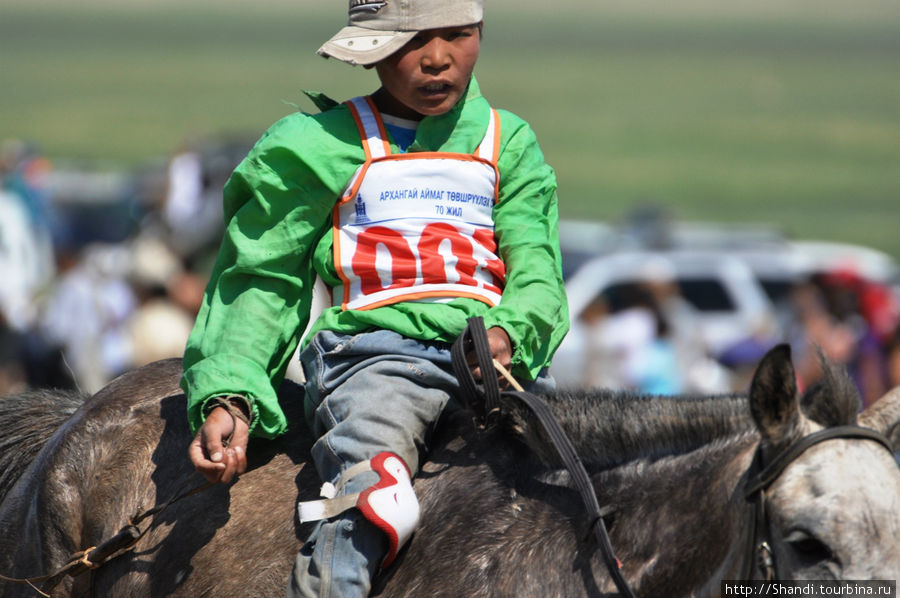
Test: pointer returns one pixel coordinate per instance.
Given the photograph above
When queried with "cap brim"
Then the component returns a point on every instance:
(356, 45)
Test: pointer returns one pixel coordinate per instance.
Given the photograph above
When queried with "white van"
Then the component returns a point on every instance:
(729, 304)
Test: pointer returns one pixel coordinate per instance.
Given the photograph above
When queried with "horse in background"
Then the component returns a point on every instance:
(499, 515)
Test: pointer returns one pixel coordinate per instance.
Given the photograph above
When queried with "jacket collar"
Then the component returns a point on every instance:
(460, 129)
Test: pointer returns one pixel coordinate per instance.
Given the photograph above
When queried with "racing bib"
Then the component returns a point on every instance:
(417, 226)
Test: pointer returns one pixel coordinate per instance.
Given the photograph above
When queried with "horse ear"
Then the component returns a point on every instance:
(773, 396)
(884, 416)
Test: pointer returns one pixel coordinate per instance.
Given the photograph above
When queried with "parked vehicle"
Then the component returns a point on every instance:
(726, 302)
(780, 267)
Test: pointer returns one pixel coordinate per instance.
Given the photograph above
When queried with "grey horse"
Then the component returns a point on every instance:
(500, 515)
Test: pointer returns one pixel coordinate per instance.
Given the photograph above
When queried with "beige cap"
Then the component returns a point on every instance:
(378, 28)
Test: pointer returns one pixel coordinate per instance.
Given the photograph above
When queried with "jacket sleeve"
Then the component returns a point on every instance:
(258, 298)
(533, 310)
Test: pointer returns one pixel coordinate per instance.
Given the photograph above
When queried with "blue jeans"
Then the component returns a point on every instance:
(367, 393)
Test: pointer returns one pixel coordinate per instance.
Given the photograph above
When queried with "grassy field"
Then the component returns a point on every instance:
(727, 111)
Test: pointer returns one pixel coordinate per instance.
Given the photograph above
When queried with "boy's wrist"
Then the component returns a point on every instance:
(238, 406)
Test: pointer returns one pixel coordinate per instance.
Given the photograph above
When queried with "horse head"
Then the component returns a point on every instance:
(819, 524)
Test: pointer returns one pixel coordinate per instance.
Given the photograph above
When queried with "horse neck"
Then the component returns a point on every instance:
(27, 422)
(674, 475)
(609, 428)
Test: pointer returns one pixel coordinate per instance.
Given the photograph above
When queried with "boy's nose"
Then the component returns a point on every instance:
(435, 54)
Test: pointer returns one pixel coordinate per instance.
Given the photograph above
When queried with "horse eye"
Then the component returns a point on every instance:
(807, 547)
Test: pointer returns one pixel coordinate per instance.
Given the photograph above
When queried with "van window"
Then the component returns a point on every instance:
(706, 294)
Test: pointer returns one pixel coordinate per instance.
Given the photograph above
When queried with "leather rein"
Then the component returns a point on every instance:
(123, 540)
(96, 556)
(485, 402)
(761, 476)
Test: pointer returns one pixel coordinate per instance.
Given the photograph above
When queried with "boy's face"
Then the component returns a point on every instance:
(429, 74)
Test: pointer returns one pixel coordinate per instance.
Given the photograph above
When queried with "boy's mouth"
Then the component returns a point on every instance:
(435, 88)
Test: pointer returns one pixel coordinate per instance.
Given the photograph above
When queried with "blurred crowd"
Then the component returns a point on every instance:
(645, 336)
(852, 321)
(102, 275)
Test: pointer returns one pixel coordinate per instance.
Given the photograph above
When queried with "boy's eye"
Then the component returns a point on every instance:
(423, 38)
(459, 33)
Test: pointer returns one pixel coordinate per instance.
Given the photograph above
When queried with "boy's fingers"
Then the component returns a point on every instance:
(212, 445)
(501, 350)
(208, 469)
(228, 462)
(239, 445)
(501, 347)
(207, 450)
(236, 453)
(218, 426)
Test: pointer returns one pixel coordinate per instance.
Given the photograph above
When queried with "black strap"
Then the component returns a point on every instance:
(470, 338)
(760, 477)
(96, 556)
(484, 400)
(582, 483)
(776, 466)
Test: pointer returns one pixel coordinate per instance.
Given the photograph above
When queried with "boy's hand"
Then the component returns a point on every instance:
(501, 350)
(208, 451)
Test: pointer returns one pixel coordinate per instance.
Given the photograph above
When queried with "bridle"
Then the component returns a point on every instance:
(762, 475)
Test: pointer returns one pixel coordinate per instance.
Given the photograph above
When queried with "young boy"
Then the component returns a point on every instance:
(420, 206)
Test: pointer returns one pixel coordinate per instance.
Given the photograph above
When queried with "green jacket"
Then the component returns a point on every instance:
(278, 214)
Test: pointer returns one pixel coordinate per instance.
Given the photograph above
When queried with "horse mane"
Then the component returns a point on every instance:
(611, 427)
(834, 400)
(27, 421)
(608, 427)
